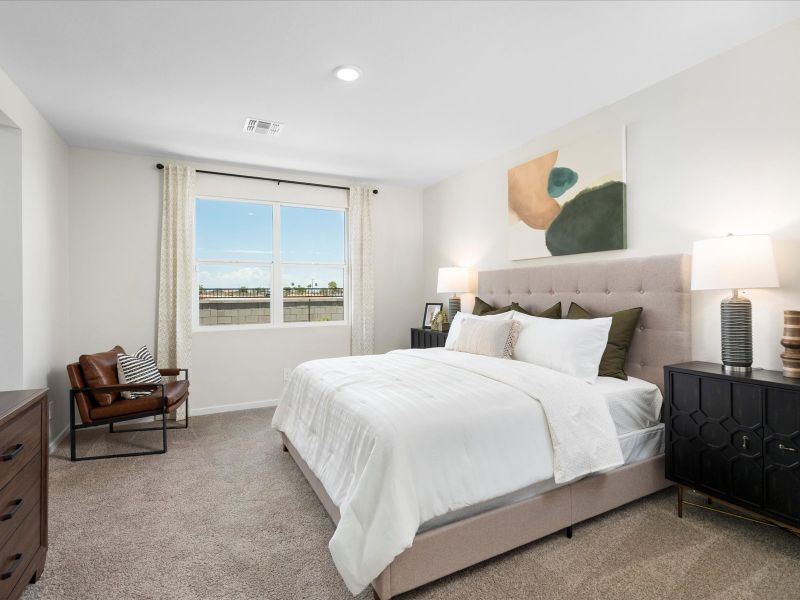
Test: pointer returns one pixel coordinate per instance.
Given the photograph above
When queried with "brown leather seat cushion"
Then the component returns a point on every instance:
(101, 369)
(177, 392)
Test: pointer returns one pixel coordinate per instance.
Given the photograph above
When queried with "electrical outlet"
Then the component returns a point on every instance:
(286, 372)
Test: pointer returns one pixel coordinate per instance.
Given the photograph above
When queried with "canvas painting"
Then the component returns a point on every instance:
(569, 201)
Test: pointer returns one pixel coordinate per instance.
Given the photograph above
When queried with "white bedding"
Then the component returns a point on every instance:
(634, 404)
(400, 438)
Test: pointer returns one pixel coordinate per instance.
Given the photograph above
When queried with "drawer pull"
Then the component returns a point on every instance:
(786, 448)
(10, 455)
(9, 514)
(745, 442)
(14, 565)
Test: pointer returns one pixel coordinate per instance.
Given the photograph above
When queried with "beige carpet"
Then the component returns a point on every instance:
(226, 514)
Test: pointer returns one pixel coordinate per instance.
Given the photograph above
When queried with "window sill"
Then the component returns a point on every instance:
(267, 326)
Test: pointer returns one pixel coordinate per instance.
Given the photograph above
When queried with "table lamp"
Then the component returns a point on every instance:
(735, 262)
(454, 280)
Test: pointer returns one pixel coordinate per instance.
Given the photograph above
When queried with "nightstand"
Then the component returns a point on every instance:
(735, 438)
(427, 338)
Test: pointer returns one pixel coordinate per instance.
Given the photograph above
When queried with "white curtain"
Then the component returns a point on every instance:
(362, 283)
(175, 275)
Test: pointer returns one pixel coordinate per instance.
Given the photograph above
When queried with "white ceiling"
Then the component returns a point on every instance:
(445, 85)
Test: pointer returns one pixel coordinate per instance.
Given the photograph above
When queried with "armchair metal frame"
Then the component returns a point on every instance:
(129, 387)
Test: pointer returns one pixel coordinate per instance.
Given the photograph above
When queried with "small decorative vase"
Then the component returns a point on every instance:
(791, 341)
(440, 322)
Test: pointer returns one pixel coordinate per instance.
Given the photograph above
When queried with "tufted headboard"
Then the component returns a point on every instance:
(659, 284)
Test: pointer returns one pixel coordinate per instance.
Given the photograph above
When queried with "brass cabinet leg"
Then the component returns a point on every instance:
(680, 502)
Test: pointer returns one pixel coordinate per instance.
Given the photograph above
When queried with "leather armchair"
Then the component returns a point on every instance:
(96, 394)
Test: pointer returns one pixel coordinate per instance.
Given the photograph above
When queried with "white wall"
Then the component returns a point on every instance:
(399, 297)
(42, 251)
(114, 245)
(711, 151)
(11, 251)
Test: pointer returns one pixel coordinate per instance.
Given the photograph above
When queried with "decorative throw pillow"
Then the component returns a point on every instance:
(482, 308)
(623, 326)
(489, 338)
(505, 309)
(554, 312)
(139, 368)
(458, 320)
(573, 346)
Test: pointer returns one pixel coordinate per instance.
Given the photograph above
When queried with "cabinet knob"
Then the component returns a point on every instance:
(786, 448)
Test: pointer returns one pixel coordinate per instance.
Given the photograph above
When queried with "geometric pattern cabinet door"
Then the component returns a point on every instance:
(683, 442)
(782, 443)
(747, 481)
(714, 436)
(735, 437)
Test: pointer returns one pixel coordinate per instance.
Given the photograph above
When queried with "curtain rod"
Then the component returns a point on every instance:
(159, 166)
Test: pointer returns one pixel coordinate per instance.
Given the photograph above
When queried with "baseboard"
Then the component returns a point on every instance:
(193, 412)
(55, 441)
(221, 408)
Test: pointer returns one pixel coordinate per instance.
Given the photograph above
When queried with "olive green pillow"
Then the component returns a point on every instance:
(623, 325)
(482, 308)
(554, 312)
(505, 309)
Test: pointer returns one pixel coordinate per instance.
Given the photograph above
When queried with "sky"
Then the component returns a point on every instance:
(242, 231)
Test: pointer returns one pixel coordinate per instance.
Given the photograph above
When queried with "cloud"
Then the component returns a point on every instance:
(247, 251)
(243, 276)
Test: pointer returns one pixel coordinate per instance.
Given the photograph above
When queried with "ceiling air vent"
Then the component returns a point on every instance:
(259, 126)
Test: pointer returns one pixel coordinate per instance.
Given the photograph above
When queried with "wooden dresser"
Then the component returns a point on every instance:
(735, 438)
(23, 489)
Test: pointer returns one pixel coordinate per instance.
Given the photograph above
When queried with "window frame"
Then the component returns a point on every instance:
(276, 270)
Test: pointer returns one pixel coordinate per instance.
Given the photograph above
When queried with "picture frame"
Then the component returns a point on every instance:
(431, 308)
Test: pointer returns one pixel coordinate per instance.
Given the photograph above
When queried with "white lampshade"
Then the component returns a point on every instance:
(454, 280)
(734, 262)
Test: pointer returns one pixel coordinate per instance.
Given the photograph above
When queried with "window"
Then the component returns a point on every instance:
(242, 247)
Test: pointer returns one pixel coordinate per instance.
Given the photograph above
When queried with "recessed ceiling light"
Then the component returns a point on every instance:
(347, 72)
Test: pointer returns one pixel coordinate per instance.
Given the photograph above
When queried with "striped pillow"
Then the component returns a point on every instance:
(139, 368)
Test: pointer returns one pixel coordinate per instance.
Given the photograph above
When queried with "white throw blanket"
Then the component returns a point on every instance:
(400, 438)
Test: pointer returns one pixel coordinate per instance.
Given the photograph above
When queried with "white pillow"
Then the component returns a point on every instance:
(572, 346)
(455, 326)
(489, 338)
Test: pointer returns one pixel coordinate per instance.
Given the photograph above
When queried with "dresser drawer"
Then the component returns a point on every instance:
(20, 440)
(18, 552)
(19, 497)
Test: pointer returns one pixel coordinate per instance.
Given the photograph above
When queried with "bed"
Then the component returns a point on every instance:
(412, 521)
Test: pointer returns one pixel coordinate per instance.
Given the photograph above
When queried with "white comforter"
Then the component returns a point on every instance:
(400, 438)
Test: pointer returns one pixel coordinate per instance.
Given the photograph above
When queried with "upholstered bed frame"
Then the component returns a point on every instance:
(660, 285)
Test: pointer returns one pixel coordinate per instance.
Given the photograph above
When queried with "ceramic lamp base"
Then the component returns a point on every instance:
(737, 334)
(454, 306)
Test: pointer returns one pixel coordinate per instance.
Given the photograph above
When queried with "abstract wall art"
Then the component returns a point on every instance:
(571, 200)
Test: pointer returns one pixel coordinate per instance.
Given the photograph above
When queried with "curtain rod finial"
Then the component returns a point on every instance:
(375, 191)
(159, 166)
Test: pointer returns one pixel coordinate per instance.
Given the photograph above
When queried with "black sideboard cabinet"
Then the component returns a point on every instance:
(427, 338)
(735, 437)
